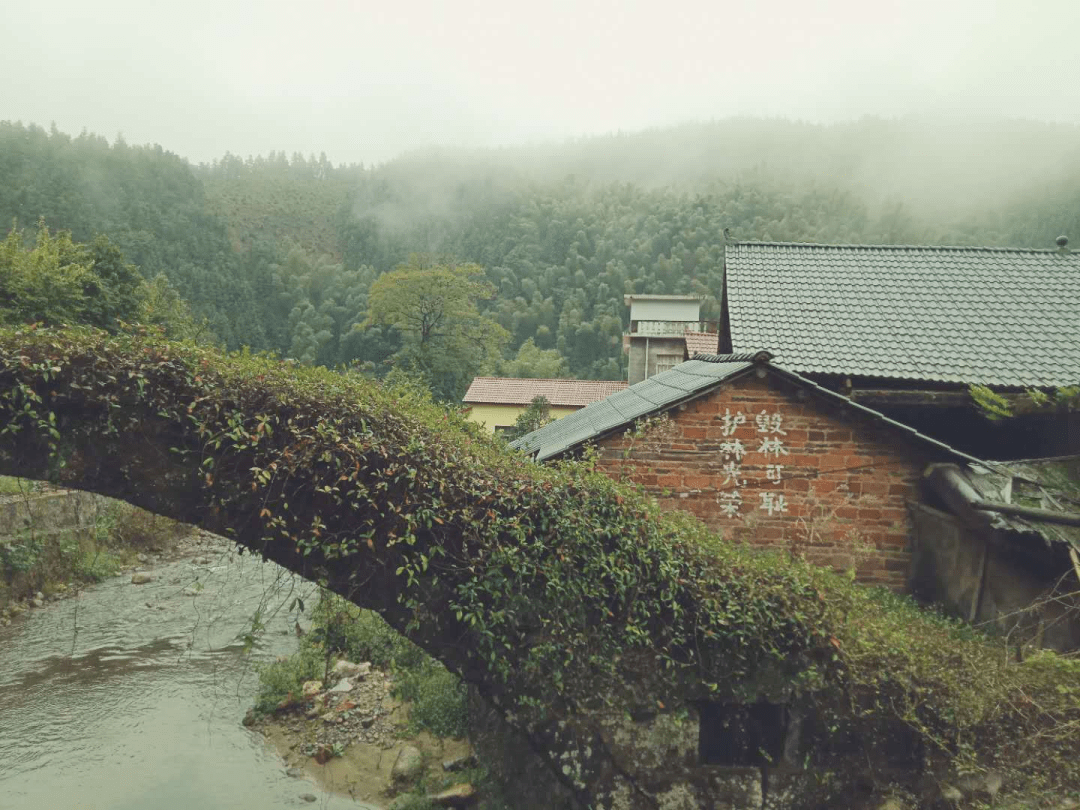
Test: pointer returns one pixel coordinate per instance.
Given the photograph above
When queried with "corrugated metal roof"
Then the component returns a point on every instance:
(684, 382)
(1052, 484)
(522, 391)
(989, 316)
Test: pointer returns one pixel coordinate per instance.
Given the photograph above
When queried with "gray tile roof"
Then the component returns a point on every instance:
(990, 316)
(620, 409)
(684, 382)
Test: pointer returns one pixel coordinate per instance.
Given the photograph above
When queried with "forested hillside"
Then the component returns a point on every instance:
(280, 253)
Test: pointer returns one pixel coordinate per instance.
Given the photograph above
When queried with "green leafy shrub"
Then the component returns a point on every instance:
(21, 553)
(96, 564)
(42, 560)
(412, 801)
(362, 635)
(438, 699)
(286, 676)
(548, 583)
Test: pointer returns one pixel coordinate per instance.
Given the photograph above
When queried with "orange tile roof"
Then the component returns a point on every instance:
(518, 391)
(703, 342)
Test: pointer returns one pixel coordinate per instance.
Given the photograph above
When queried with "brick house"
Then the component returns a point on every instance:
(763, 455)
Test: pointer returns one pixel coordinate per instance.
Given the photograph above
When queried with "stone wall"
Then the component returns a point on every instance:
(765, 748)
(763, 461)
(35, 519)
(512, 761)
(45, 510)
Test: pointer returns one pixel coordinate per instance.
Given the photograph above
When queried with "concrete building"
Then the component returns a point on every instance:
(664, 331)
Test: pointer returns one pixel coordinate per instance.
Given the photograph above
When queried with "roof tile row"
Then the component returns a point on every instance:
(989, 316)
(522, 391)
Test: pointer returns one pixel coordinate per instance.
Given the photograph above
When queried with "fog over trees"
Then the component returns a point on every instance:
(280, 252)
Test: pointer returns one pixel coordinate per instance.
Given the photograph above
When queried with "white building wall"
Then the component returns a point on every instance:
(665, 310)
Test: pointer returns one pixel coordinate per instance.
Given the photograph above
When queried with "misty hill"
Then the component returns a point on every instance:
(279, 251)
(943, 170)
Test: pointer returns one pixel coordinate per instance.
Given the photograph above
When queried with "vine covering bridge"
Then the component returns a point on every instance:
(593, 625)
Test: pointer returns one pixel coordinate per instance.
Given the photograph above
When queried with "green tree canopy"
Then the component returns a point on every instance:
(434, 307)
(161, 305)
(279, 252)
(59, 281)
(532, 361)
(532, 418)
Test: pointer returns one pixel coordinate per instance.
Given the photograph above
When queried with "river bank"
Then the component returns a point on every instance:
(54, 542)
(358, 743)
(367, 714)
(124, 696)
(137, 679)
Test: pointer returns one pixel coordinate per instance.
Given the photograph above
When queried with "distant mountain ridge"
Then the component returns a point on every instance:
(279, 252)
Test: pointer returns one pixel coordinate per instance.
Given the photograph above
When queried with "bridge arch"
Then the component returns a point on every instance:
(591, 623)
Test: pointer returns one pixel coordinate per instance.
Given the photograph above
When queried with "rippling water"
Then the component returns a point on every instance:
(131, 696)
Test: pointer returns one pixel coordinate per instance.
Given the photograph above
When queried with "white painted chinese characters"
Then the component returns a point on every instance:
(769, 427)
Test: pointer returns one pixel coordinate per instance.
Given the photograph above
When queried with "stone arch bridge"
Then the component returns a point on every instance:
(595, 629)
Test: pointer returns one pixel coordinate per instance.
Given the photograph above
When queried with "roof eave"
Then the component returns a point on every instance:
(814, 388)
(690, 397)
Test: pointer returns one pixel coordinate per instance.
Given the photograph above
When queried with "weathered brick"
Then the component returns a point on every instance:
(697, 481)
(824, 500)
(797, 485)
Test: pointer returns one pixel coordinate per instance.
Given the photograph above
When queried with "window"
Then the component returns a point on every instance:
(666, 362)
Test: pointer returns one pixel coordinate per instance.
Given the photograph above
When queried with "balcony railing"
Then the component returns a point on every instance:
(667, 328)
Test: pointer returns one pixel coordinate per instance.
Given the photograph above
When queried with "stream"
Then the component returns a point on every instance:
(129, 697)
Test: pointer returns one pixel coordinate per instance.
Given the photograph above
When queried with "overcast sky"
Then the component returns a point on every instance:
(365, 81)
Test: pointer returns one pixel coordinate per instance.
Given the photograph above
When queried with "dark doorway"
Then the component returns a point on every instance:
(742, 734)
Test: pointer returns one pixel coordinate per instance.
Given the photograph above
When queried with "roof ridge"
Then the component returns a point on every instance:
(754, 356)
(984, 248)
(547, 379)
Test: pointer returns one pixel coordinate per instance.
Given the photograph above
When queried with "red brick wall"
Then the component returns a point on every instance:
(842, 478)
